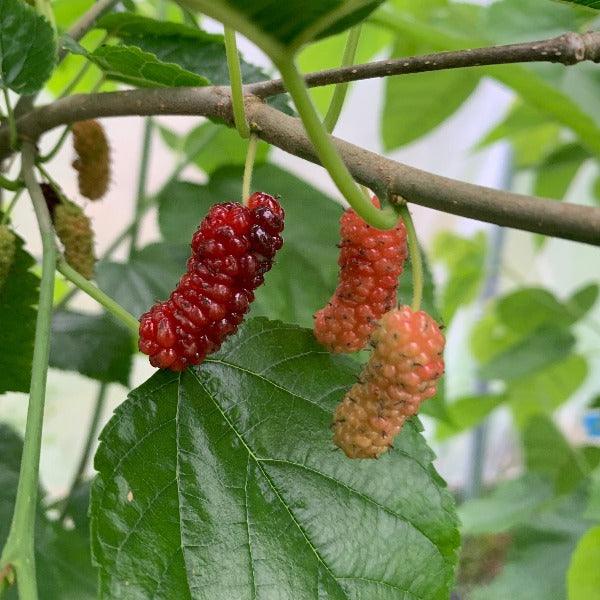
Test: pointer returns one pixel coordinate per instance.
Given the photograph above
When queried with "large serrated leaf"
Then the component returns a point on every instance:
(63, 562)
(18, 296)
(27, 47)
(94, 345)
(222, 483)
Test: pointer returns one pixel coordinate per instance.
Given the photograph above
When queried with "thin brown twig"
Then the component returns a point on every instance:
(568, 49)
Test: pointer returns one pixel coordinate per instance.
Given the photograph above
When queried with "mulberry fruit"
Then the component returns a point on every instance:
(8, 246)
(74, 230)
(402, 372)
(93, 158)
(232, 250)
(370, 262)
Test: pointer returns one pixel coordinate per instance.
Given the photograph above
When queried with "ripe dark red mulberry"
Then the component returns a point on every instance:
(93, 158)
(370, 262)
(232, 250)
(402, 372)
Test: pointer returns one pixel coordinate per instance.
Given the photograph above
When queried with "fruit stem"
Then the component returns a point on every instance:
(87, 449)
(249, 167)
(19, 549)
(328, 155)
(113, 307)
(415, 258)
(341, 89)
(140, 198)
(235, 80)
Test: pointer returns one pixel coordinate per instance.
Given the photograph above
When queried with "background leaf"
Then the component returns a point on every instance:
(210, 146)
(537, 562)
(556, 173)
(247, 494)
(149, 276)
(583, 578)
(510, 503)
(416, 104)
(18, 296)
(94, 345)
(543, 347)
(548, 452)
(464, 259)
(27, 47)
(64, 569)
(545, 390)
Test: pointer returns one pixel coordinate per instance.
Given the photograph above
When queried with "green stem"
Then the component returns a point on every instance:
(12, 124)
(341, 89)
(249, 167)
(235, 80)
(10, 184)
(19, 548)
(54, 151)
(10, 207)
(141, 185)
(87, 449)
(415, 258)
(327, 153)
(114, 308)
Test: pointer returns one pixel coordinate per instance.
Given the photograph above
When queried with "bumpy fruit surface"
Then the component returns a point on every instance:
(232, 249)
(93, 158)
(75, 232)
(402, 372)
(370, 262)
(8, 246)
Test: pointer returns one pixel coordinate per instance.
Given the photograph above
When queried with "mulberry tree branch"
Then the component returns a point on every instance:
(381, 174)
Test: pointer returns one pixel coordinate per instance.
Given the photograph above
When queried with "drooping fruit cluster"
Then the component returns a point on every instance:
(402, 372)
(74, 230)
(370, 262)
(8, 246)
(93, 158)
(232, 249)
